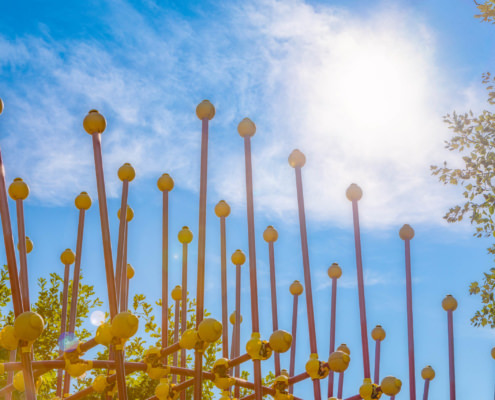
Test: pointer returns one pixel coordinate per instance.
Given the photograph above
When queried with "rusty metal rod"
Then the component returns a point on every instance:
(63, 326)
(332, 333)
(165, 272)
(410, 326)
(21, 233)
(273, 287)
(223, 273)
(120, 243)
(293, 347)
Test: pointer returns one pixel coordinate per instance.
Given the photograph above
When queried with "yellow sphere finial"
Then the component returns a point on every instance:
(354, 192)
(378, 333)
(129, 215)
(210, 330)
(67, 257)
(339, 361)
(391, 385)
(130, 271)
(493, 353)
(232, 318)
(222, 209)
(83, 201)
(280, 341)
(1, 106)
(126, 172)
(238, 257)
(28, 326)
(449, 303)
(124, 325)
(270, 234)
(185, 235)
(165, 182)
(205, 110)
(296, 288)
(18, 190)
(406, 232)
(177, 293)
(29, 245)
(246, 128)
(297, 159)
(334, 271)
(94, 122)
(428, 373)
(343, 347)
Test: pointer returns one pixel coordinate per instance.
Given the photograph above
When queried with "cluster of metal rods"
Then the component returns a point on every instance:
(118, 286)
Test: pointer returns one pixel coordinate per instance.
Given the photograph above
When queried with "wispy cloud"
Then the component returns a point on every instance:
(361, 96)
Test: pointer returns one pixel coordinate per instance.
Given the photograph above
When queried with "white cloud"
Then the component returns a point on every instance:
(362, 97)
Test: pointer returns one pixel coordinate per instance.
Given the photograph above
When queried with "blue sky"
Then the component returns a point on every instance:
(360, 87)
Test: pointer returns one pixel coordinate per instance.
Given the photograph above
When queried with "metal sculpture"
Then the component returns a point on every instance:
(123, 325)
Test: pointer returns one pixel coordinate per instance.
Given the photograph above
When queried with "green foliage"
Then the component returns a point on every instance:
(487, 10)
(474, 139)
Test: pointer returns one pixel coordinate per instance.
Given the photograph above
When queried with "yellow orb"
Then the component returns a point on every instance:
(343, 347)
(280, 341)
(19, 381)
(100, 383)
(238, 257)
(29, 326)
(334, 271)
(210, 330)
(189, 339)
(177, 293)
(428, 373)
(391, 385)
(222, 209)
(232, 318)
(185, 235)
(124, 325)
(126, 172)
(129, 215)
(449, 303)
(406, 232)
(246, 128)
(29, 245)
(378, 333)
(270, 234)
(162, 390)
(83, 201)
(205, 110)
(8, 339)
(165, 182)
(493, 353)
(296, 288)
(94, 122)
(297, 159)
(67, 257)
(354, 192)
(130, 271)
(18, 190)
(339, 361)
(104, 334)
(1, 106)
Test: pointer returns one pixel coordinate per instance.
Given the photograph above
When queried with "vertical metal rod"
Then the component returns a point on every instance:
(122, 221)
(237, 326)
(293, 347)
(274, 301)
(377, 362)
(307, 275)
(21, 233)
(410, 328)
(183, 325)
(427, 388)
(63, 326)
(341, 385)
(125, 281)
(75, 287)
(332, 332)
(198, 356)
(10, 374)
(176, 334)
(451, 354)
(165, 272)
(225, 320)
(107, 252)
(252, 260)
(362, 303)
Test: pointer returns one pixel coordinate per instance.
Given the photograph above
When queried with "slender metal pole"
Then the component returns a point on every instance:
(10, 374)
(332, 332)
(410, 328)
(120, 244)
(307, 275)
(225, 323)
(273, 287)
(377, 362)
(176, 335)
(427, 388)
(107, 251)
(165, 272)
(341, 385)
(293, 347)
(75, 287)
(63, 326)
(183, 325)
(237, 326)
(362, 303)
(22, 255)
(451, 354)
(125, 281)
(198, 355)
(252, 260)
